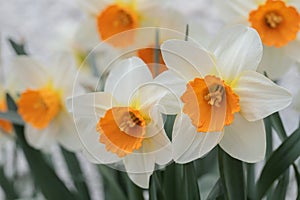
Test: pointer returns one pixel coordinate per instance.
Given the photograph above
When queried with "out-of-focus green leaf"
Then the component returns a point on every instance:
(155, 190)
(216, 191)
(113, 190)
(46, 179)
(7, 186)
(18, 48)
(133, 191)
(187, 29)
(250, 180)
(232, 176)
(280, 160)
(172, 182)
(76, 174)
(277, 124)
(281, 188)
(12, 116)
(168, 126)
(190, 187)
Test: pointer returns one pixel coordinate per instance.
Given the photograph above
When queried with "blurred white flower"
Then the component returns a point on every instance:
(223, 99)
(111, 17)
(276, 21)
(123, 122)
(41, 103)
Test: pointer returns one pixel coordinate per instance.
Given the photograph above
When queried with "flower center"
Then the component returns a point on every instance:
(116, 19)
(215, 95)
(39, 107)
(122, 130)
(273, 19)
(276, 23)
(5, 125)
(210, 103)
(148, 56)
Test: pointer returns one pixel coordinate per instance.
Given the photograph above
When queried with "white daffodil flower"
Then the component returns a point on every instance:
(223, 99)
(278, 24)
(123, 122)
(111, 17)
(41, 103)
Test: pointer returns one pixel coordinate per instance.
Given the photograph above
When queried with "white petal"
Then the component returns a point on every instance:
(275, 62)
(68, 136)
(63, 72)
(93, 6)
(259, 96)
(160, 146)
(42, 139)
(142, 179)
(94, 150)
(187, 59)
(125, 78)
(188, 144)
(293, 49)
(176, 86)
(236, 11)
(91, 105)
(237, 49)
(27, 73)
(245, 140)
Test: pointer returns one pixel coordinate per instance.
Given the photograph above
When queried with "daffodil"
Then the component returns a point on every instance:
(112, 17)
(223, 98)
(123, 124)
(41, 103)
(278, 24)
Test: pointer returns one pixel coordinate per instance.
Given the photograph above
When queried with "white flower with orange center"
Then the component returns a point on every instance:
(123, 122)
(278, 24)
(42, 93)
(112, 17)
(223, 99)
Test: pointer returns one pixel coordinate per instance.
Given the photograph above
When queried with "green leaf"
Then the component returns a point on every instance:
(155, 190)
(172, 183)
(168, 126)
(18, 48)
(76, 174)
(133, 192)
(232, 176)
(216, 191)
(7, 186)
(281, 188)
(190, 183)
(12, 116)
(277, 124)
(44, 176)
(284, 156)
(250, 180)
(113, 190)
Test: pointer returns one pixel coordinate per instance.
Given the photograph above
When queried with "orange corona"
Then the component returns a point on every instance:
(276, 23)
(122, 130)
(210, 103)
(6, 126)
(39, 107)
(116, 19)
(148, 56)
